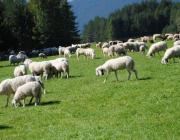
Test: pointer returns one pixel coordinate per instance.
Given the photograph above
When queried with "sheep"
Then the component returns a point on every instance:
(20, 70)
(86, 52)
(37, 68)
(13, 59)
(171, 53)
(156, 47)
(32, 89)
(9, 86)
(98, 45)
(177, 42)
(61, 51)
(157, 36)
(106, 51)
(117, 49)
(120, 63)
(67, 53)
(59, 68)
(42, 55)
(59, 65)
(130, 46)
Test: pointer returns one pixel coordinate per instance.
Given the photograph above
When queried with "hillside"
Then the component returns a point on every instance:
(86, 10)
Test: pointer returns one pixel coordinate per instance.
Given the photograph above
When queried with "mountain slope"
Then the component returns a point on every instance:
(86, 10)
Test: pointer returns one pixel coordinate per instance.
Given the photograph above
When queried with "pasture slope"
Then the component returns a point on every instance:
(83, 107)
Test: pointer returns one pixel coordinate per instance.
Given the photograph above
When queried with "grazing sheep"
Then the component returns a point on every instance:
(20, 70)
(106, 51)
(117, 49)
(38, 68)
(130, 46)
(156, 48)
(32, 89)
(61, 51)
(87, 52)
(120, 63)
(59, 65)
(42, 55)
(67, 53)
(9, 86)
(173, 52)
(157, 36)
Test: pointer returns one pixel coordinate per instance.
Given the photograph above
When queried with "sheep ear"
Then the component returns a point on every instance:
(102, 72)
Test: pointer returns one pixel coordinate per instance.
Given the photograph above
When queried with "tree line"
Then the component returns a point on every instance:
(135, 20)
(36, 24)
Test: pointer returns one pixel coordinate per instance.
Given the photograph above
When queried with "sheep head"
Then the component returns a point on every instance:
(99, 71)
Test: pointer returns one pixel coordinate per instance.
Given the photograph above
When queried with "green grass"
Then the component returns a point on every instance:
(83, 107)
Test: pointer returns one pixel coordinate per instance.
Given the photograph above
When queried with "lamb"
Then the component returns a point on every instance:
(9, 86)
(20, 70)
(42, 55)
(32, 89)
(87, 52)
(38, 68)
(171, 53)
(156, 47)
(120, 63)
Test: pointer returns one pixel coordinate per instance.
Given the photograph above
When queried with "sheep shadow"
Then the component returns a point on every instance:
(147, 78)
(2, 127)
(50, 103)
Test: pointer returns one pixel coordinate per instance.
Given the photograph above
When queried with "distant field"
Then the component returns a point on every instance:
(83, 107)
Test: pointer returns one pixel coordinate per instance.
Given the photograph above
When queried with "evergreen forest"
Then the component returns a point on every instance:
(36, 24)
(135, 20)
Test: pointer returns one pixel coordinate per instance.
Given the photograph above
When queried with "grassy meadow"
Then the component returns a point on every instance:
(83, 107)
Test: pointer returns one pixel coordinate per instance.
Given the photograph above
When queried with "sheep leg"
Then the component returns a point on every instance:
(115, 72)
(7, 101)
(159, 54)
(23, 102)
(129, 74)
(135, 74)
(106, 77)
(31, 100)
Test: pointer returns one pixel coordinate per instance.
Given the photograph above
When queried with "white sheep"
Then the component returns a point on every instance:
(86, 52)
(157, 36)
(67, 53)
(32, 89)
(13, 59)
(106, 51)
(120, 63)
(9, 86)
(61, 50)
(42, 55)
(20, 70)
(173, 52)
(177, 42)
(59, 65)
(38, 68)
(156, 48)
(117, 49)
